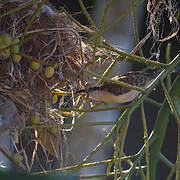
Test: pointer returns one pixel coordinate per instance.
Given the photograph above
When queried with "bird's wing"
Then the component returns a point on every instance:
(137, 78)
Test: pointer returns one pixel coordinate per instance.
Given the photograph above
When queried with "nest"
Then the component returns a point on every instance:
(52, 41)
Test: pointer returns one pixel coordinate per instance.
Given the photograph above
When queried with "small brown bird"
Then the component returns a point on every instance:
(114, 93)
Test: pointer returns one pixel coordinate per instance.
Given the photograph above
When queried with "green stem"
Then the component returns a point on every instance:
(121, 138)
(19, 8)
(115, 158)
(176, 103)
(108, 5)
(115, 21)
(94, 110)
(32, 18)
(140, 154)
(75, 167)
(119, 123)
(84, 28)
(160, 129)
(135, 26)
(166, 161)
(87, 124)
(151, 101)
(171, 103)
(146, 143)
(171, 173)
(178, 156)
(108, 70)
(134, 58)
(168, 59)
(91, 22)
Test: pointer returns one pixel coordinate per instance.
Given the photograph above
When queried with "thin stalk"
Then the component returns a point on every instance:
(132, 52)
(92, 164)
(108, 5)
(176, 103)
(121, 139)
(94, 51)
(151, 101)
(171, 104)
(171, 173)
(168, 59)
(84, 28)
(101, 29)
(99, 146)
(94, 110)
(115, 157)
(83, 113)
(135, 26)
(166, 161)
(143, 177)
(146, 143)
(87, 124)
(91, 22)
(115, 21)
(32, 18)
(19, 8)
(140, 154)
(106, 72)
(111, 163)
(134, 58)
(104, 175)
(178, 156)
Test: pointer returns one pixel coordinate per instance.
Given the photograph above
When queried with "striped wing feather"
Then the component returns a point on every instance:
(137, 78)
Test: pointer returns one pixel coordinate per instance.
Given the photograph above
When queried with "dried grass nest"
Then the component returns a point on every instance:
(50, 41)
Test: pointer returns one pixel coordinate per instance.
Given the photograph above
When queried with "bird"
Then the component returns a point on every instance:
(109, 92)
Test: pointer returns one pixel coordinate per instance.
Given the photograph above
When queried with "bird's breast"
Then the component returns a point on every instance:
(111, 98)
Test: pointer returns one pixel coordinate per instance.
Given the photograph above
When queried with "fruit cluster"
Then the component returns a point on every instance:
(35, 120)
(9, 45)
(48, 71)
(5, 42)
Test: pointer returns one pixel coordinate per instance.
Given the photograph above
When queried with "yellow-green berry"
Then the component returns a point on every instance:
(6, 39)
(6, 53)
(35, 119)
(35, 65)
(17, 158)
(49, 71)
(54, 98)
(15, 48)
(16, 58)
(54, 130)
